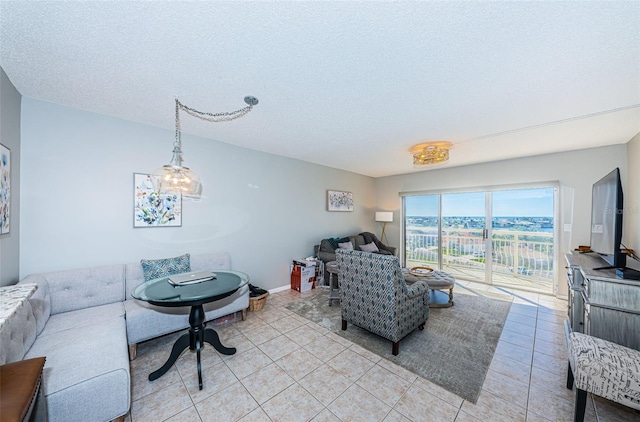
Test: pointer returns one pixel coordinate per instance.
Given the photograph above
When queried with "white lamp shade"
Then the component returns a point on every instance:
(384, 216)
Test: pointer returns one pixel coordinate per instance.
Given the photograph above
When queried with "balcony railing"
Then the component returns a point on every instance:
(520, 254)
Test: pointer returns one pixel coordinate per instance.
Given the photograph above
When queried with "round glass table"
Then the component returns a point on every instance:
(162, 292)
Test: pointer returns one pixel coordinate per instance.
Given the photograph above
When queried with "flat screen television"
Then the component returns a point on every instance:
(606, 220)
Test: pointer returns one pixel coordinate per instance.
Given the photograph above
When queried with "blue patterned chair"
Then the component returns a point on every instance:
(374, 296)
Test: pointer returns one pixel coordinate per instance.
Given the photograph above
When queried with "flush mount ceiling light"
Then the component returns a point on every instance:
(176, 178)
(430, 153)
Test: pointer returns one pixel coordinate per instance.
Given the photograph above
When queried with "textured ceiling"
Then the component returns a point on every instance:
(350, 85)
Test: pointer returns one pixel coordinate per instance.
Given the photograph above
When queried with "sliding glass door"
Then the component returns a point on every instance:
(422, 231)
(501, 237)
(522, 238)
(463, 241)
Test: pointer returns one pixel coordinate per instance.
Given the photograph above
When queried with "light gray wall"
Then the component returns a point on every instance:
(10, 137)
(77, 195)
(77, 198)
(575, 171)
(631, 217)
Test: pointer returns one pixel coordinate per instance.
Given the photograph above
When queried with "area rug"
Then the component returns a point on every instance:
(454, 350)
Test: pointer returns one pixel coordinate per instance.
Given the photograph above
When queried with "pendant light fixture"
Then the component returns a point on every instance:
(175, 177)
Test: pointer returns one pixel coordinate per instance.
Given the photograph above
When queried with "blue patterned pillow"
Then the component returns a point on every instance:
(156, 268)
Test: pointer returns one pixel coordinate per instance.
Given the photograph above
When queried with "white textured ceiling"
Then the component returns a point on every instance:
(350, 85)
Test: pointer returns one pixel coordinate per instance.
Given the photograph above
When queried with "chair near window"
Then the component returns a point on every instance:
(602, 368)
(375, 296)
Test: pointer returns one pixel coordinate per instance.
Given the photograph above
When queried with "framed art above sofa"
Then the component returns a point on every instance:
(339, 200)
(152, 208)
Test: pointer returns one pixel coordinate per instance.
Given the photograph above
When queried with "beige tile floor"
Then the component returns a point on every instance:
(290, 369)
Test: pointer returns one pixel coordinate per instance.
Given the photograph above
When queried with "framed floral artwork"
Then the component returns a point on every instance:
(5, 189)
(339, 201)
(153, 209)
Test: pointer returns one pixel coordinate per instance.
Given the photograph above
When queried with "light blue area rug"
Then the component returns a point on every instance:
(454, 350)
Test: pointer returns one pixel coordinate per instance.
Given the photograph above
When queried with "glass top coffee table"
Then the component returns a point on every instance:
(162, 292)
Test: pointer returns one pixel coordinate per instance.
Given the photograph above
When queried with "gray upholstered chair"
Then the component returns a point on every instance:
(374, 296)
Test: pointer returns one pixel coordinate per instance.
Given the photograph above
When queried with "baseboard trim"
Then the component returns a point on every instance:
(280, 289)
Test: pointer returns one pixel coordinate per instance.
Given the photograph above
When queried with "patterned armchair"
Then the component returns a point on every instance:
(374, 296)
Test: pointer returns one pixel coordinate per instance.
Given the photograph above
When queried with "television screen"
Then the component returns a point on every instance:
(606, 219)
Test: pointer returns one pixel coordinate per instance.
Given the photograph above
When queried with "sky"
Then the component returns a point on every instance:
(508, 203)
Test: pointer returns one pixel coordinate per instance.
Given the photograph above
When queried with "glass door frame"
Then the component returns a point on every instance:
(488, 236)
(555, 185)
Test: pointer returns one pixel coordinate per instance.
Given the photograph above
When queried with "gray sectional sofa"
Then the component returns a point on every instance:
(83, 320)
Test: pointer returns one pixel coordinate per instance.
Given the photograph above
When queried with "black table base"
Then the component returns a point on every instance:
(194, 340)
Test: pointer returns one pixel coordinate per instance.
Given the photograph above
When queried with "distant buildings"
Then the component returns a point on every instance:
(528, 224)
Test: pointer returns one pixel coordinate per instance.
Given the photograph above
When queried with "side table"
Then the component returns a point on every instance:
(21, 393)
(334, 290)
(162, 292)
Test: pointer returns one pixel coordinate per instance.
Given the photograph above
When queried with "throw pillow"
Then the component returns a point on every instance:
(156, 268)
(346, 245)
(369, 247)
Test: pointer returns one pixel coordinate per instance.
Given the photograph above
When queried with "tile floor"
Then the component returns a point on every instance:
(290, 369)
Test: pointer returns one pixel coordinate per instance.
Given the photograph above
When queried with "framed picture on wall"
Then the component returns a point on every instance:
(5, 189)
(339, 200)
(153, 209)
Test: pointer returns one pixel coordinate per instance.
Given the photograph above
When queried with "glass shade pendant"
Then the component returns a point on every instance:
(174, 177)
(178, 179)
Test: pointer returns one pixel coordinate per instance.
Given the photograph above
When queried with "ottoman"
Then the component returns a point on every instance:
(437, 280)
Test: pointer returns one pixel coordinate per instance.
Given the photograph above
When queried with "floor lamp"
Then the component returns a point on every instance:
(384, 217)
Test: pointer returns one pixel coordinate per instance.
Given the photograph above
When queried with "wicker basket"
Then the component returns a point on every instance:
(257, 303)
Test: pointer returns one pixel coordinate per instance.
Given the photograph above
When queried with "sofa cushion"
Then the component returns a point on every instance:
(82, 318)
(71, 290)
(200, 262)
(86, 376)
(156, 268)
(357, 241)
(40, 301)
(332, 243)
(369, 247)
(17, 334)
(346, 245)
(326, 246)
